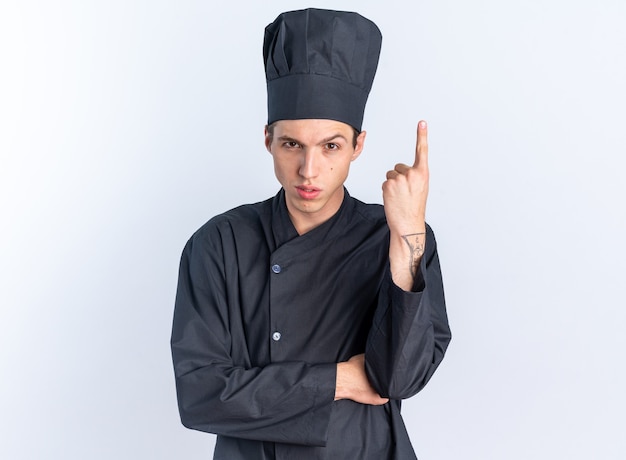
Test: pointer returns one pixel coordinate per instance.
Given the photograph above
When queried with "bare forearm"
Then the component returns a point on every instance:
(405, 253)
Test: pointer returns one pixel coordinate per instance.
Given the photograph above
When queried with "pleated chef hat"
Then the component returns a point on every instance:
(320, 64)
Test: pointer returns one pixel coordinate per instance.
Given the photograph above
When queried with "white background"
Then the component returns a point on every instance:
(125, 125)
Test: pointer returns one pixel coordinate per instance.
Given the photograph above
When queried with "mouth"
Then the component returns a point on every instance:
(307, 192)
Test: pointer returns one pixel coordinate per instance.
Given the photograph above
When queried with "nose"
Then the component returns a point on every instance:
(309, 165)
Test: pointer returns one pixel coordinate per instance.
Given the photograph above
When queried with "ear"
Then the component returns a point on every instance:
(360, 143)
(268, 139)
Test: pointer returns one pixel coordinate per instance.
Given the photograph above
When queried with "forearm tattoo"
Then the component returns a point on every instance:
(415, 241)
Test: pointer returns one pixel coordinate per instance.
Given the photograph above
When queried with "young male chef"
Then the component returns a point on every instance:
(302, 321)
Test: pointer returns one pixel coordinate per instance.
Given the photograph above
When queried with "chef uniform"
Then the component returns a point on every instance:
(263, 314)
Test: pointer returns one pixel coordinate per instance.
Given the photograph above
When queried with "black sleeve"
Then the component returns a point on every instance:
(410, 331)
(286, 402)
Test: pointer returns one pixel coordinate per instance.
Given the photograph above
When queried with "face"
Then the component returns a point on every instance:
(311, 161)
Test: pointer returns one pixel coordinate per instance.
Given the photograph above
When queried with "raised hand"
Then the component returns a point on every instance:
(404, 196)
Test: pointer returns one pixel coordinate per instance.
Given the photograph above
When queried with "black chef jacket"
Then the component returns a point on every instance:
(263, 315)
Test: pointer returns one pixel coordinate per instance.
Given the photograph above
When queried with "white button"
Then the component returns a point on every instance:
(276, 336)
(276, 268)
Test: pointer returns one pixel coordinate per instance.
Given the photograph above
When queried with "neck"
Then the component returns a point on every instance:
(306, 221)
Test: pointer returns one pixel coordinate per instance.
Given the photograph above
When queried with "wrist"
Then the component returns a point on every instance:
(341, 391)
(409, 228)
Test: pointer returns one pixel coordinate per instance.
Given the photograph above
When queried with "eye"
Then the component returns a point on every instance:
(332, 146)
(291, 145)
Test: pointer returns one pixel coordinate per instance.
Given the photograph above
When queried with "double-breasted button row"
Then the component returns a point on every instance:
(276, 335)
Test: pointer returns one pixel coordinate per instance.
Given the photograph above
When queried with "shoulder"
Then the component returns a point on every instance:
(247, 216)
(372, 213)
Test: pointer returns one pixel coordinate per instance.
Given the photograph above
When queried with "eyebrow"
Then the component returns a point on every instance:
(333, 137)
(323, 141)
(288, 139)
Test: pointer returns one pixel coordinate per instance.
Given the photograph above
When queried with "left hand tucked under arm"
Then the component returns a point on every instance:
(404, 196)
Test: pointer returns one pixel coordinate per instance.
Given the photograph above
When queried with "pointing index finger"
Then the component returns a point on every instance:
(421, 148)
